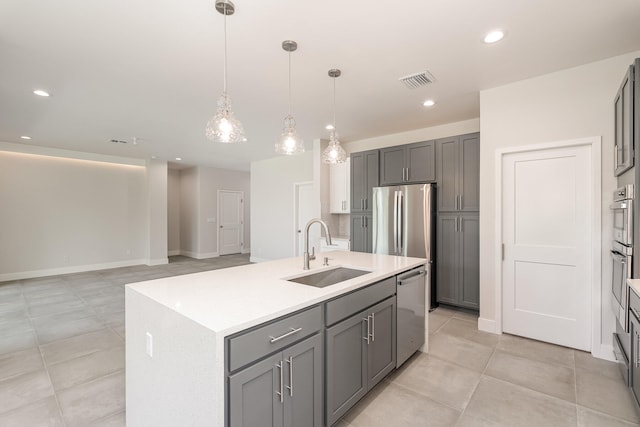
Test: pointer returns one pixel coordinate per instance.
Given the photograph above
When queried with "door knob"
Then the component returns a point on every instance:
(221, 227)
(299, 231)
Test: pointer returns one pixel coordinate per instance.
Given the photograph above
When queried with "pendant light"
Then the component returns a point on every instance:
(224, 127)
(289, 142)
(334, 153)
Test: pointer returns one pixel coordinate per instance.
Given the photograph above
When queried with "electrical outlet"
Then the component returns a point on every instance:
(149, 345)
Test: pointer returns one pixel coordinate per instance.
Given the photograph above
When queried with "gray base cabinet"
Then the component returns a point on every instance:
(361, 232)
(360, 351)
(458, 266)
(408, 164)
(282, 390)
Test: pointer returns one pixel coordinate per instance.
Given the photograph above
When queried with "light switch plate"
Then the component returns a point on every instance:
(149, 344)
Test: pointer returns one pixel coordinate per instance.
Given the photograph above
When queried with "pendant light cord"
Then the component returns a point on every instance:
(334, 104)
(225, 49)
(290, 83)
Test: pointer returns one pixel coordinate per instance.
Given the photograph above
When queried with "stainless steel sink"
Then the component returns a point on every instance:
(329, 277)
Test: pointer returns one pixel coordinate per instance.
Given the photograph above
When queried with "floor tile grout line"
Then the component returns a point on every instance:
(55, 393)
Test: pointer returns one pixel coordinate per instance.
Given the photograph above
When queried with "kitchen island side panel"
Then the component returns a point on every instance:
(182, 383)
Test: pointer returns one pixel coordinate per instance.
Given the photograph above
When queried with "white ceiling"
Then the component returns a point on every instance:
(153, 69)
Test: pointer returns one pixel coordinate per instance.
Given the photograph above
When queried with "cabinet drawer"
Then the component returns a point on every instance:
(343, 307)
(252, 345)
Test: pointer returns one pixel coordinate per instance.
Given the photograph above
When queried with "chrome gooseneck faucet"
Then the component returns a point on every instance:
(308, 257)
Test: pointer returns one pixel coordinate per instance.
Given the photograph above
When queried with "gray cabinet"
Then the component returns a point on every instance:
(623, 137)
(276, 373)
(406, 164)
(458, 267)
(458, 166)
(360, 351)
(283, 390)
(364, 176)
(361, 232)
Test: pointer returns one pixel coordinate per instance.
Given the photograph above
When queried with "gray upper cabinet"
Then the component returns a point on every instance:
(458, 268)
(364, 176)
(623, 106)
(458, 166)
(360, 352)
(407, 164)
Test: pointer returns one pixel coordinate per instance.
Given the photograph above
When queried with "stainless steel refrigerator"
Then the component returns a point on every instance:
(404, 219)
(403, 225)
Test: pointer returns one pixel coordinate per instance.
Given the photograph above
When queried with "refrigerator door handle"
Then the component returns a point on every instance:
(400, 222)
(395, 223)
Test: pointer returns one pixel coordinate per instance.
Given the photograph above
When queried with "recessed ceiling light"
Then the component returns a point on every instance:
(41, 92)
(329, 127)
(429, 103)
(493, 36)
(178, 158)
(25, 137)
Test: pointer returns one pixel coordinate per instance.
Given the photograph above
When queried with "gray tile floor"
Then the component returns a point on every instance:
(62, 344)
(62, 364)
(472, 378)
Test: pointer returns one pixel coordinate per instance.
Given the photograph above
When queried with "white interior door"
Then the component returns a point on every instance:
(547, 267)
(304, 212)
(230, 227)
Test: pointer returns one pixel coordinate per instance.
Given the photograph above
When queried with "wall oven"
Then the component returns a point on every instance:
(622, 252)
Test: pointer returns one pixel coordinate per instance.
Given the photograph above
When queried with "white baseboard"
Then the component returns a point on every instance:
(255, 259)
(174, 253)
(158, 261)
(199, 255)
(246, 251)
(603, 351)
(487, 325)
(68, 270)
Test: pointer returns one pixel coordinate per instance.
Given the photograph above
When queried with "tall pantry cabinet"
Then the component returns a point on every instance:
(457, 235)
(364, 176)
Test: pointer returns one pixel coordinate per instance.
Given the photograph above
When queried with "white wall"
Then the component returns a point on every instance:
(272, 204)
(60, 214)
(416, 135)
(173, 211)
(157, 212)
(189, 212)
(569, 104)
(212, 180)
(198, 202)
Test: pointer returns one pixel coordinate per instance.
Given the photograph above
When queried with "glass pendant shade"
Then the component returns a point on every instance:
(289, 142)
(334, 153)
(224, 127)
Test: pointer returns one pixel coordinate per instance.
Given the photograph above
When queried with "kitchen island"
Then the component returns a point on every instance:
(176, 328)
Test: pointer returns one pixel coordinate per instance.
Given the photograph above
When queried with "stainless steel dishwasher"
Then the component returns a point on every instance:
(411, 311)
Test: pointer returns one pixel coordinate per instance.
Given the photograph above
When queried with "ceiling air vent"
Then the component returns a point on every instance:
(417, 80)
(117, 141)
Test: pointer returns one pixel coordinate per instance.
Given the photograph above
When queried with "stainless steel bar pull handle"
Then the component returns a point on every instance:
(373, 327)
(291, 332)
(366, 337)
(637, 358)
(290, 386)
(280, 393)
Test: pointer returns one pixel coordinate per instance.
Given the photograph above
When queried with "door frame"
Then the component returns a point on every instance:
(241, 193)
(296, 201)
(595, 145)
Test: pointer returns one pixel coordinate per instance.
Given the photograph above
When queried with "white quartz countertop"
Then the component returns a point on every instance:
(232, 299)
